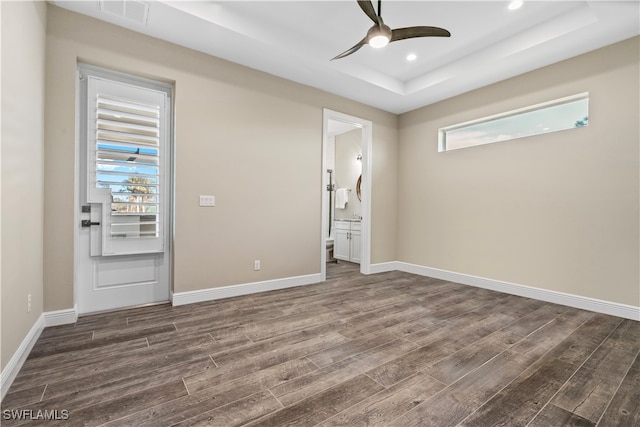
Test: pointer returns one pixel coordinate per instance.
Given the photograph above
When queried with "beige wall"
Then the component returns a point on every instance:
(250, 139)
(23, 70)
(556, 211)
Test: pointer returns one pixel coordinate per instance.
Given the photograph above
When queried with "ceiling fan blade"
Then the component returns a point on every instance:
(367, 7)
(412, 32)
(352, 50)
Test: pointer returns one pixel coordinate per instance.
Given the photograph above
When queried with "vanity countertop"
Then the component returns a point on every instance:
(349, 219)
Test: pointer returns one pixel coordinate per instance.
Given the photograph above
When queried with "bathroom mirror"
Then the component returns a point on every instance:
(345, 159)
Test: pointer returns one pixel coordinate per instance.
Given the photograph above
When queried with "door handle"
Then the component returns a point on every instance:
(88, 223)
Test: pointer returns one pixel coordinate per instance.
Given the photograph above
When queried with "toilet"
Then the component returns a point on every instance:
(329, 247)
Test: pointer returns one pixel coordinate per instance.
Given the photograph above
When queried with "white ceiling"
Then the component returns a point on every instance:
(296, 40)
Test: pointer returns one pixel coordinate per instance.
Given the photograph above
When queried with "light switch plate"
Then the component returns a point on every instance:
(207, 200)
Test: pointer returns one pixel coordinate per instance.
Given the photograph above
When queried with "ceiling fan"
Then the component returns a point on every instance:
(381, 34)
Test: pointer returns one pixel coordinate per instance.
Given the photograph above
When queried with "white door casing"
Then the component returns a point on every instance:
(365, 206)
(122, 254)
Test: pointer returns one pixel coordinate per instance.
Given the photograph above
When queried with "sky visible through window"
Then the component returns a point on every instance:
(551, 118)
(119, 156)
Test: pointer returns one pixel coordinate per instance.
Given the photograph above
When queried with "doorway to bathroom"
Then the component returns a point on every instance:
(346, 189)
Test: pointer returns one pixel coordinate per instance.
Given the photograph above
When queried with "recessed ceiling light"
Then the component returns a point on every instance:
(515, 4)
(412, 57)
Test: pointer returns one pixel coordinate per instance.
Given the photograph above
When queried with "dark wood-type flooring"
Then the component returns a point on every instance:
(391, 349)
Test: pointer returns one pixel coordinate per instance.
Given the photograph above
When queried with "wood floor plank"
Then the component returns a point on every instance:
(55, 345)
(578, 346)
(382, 318)
(19, 398)
(321, 406)
(73, 359)
(384, 353)
(478, 331)
(528, 324)
(241, 367)
(99, 392)
(250, 348)
(56, 366)
(624, 408)
(214, 397)
(262, 330)
(111, 318)
(330, 375)
(118, 407)
(592, 387)
(205, 324)
(464, 324)
(409, 364)
(384, 407)
(551, 334)
(64, 346)
(195, 314)
(95, 363)
(75, 328)
(551, 415)
(315, 382)
(378, 301)
(124, 369)
(518, 403)
(353, 347)
(456, 402)
(452, 368)
(236, 413)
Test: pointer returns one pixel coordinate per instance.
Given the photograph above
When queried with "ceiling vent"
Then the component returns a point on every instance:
(132, 10)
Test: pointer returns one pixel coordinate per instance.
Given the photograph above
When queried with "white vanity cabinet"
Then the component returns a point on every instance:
(347, 240)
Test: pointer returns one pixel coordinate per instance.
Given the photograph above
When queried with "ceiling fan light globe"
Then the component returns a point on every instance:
(378, 41)
(379, 36)
(515, 4)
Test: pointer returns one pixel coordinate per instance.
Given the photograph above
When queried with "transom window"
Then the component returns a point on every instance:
(553, 116)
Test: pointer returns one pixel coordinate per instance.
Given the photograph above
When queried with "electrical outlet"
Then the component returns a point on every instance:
(207, 200)
(256, 265)
(29, 303)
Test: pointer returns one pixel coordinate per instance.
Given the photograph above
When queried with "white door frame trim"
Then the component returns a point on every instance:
(367, 149)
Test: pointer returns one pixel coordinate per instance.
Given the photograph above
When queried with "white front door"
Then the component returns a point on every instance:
(122, 257)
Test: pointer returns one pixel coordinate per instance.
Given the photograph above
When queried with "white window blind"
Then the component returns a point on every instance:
(127, 163)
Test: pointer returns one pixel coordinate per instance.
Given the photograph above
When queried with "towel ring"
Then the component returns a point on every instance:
(358, 185)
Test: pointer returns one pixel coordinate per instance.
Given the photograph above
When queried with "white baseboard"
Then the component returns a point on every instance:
(50, 318)
(383, 267)
(182, 298)
(13, 367)
(576, 301)
(60, 317)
